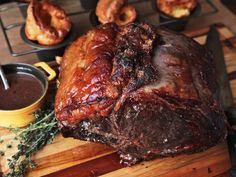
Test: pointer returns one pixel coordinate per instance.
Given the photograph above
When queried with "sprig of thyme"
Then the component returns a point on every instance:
(32, 139)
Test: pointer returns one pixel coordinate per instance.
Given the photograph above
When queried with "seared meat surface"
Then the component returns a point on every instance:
(145, 91)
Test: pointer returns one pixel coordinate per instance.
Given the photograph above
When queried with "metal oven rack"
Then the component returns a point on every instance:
(142, 17)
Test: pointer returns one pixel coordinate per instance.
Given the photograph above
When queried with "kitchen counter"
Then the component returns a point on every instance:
(224, 16)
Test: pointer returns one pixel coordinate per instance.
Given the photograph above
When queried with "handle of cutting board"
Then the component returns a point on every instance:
(232, 172)
(232, 75)
(231, 115)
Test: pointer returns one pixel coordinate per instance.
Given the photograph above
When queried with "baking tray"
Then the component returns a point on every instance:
(82, 18)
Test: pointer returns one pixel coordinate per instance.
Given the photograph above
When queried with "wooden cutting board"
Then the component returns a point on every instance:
(67, 157)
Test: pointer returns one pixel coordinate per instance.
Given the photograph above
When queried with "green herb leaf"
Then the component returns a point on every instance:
(32, 139)
(1, 141)
(2, 153)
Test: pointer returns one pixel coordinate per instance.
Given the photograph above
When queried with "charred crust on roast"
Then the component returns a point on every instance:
(162, 99)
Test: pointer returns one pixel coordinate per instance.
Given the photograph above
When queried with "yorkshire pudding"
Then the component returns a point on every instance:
(46, 23)
(115, 11)
(126, 15)
(176, 8)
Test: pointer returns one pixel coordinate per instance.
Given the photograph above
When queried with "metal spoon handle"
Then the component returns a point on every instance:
(4, 79)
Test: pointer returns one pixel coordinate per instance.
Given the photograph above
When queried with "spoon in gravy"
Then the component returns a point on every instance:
(4, 79)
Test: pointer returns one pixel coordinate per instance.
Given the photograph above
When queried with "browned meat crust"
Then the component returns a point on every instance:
(147, 92)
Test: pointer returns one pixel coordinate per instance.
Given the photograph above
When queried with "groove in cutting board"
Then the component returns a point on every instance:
(91, 168)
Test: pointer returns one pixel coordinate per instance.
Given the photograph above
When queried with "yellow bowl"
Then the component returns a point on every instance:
(22, 117)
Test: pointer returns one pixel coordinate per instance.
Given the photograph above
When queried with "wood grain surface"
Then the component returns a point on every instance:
(67, 157)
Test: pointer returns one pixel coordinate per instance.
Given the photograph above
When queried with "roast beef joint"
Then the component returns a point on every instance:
(145, 91)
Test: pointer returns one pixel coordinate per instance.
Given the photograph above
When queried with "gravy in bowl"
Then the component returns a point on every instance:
(24, 90)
